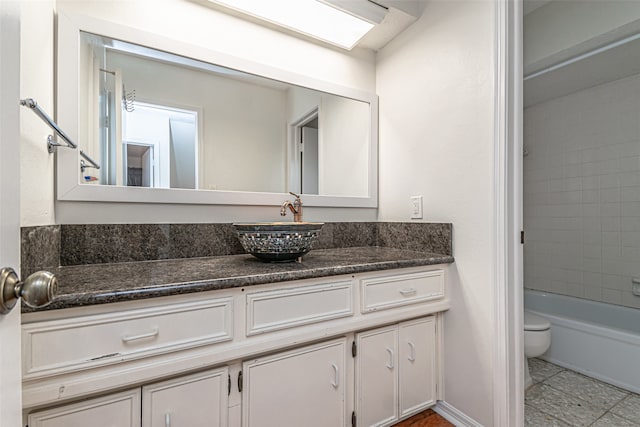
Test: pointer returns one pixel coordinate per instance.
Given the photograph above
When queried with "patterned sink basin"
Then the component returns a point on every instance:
(278, 241)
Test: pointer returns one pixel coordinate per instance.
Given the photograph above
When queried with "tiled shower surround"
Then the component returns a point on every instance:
(582, 193)
(47, 247)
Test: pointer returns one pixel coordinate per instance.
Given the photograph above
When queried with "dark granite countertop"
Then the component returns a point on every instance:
(107, 283)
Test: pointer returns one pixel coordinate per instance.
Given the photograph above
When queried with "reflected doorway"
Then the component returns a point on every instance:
(139, 162)
(306, 154)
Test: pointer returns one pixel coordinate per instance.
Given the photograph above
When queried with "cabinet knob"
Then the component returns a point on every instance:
(38, 290)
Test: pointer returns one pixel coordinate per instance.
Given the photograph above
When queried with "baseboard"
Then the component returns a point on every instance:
(454, 416)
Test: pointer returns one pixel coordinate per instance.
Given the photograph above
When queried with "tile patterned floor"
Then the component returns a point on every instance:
(562, 398)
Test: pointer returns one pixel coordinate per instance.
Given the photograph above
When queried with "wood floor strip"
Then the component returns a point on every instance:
(426, 418)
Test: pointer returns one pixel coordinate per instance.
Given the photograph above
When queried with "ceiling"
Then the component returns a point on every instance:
(531, 5)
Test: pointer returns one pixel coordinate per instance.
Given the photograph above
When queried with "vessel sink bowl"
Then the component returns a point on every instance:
(278, 241)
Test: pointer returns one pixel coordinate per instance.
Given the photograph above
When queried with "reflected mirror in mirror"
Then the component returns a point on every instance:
(161, 120)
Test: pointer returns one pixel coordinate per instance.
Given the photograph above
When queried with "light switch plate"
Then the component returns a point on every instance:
(416, 207)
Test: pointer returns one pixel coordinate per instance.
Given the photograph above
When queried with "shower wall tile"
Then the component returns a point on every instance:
(612, 296)
(582, 193)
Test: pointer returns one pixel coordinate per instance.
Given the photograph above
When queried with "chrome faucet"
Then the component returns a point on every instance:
(295, 207)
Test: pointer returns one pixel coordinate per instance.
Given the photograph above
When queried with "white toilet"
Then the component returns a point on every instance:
(537, 339)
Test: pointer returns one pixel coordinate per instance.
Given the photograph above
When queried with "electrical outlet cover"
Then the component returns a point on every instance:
(416, 207)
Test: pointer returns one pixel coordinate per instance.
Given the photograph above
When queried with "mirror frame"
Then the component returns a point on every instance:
(68, 187)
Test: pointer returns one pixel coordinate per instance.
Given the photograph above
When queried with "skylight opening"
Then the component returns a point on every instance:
(310, 17)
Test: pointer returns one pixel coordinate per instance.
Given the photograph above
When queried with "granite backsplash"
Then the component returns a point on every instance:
(47, 247)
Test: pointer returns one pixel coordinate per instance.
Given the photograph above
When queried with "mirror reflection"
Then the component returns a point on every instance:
(161, 120)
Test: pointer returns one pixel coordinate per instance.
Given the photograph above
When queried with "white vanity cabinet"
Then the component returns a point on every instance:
(198, 400)
(290, 343)
(302, 387)
(395, 371)
(115, 410)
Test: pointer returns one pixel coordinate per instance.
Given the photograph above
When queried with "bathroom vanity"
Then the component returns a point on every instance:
(348, 337)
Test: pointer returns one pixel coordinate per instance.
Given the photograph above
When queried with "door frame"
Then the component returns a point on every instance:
(10, 349)
(294, 135)
(508, 345)
(155, 170)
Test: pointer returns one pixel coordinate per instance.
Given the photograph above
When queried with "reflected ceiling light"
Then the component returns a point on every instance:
(311, 17)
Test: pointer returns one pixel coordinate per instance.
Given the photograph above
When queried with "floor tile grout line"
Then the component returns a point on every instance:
(549, 415)
(607, 409)
(569, 395)
(550, 376)
(626, 393)
(634, 421)
(580, 374)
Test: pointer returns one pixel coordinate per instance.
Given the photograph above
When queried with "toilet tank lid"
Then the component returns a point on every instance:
(533, 322)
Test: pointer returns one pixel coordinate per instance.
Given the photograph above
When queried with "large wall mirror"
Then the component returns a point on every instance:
(170, 122)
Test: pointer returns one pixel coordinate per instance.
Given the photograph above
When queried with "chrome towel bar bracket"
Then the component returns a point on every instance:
(31, 104)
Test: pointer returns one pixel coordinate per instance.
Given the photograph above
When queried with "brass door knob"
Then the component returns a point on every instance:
(38, 290)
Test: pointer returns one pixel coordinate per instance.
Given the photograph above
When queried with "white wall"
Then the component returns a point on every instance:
(436, 88)
(193, 23)
(344, 146)
(560, 30)
(36, 69)
(582, 193)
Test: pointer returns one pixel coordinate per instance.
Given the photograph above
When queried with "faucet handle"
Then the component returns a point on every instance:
(294, 194)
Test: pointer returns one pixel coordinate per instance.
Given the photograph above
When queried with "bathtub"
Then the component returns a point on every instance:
(597, 339)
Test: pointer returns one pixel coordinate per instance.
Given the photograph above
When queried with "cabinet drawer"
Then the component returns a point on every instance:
(286, 308)
(380, 293)
(58, 346)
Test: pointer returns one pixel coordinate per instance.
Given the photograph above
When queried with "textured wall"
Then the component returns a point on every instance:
(435, 83)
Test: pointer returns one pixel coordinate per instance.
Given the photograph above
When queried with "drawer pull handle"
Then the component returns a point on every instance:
(336, 375)
(412, 352)
(390, 364)
(129, 338)
(407, 292)
(167, 420)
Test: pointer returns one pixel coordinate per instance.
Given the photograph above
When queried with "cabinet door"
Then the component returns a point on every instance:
(115, 410)
(198, 400)
(303, 387)
(376, 377)
(416, 365)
